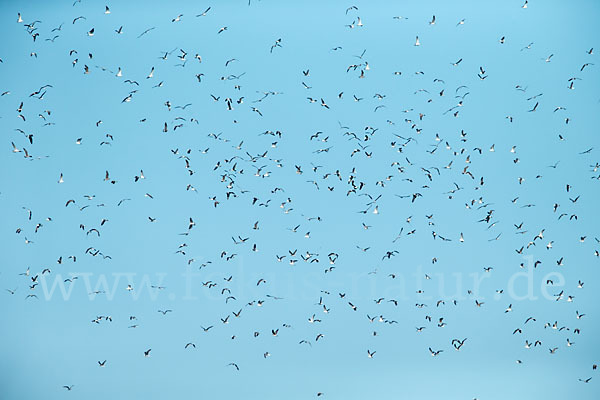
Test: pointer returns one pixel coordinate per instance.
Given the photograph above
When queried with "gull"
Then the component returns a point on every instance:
(435, 353)
(458, 343)
(351, 8)
(417, 42)
(277, 44)
(146, 31)
(234, 365)
(527, 47)
(362, 54)
(204, 13)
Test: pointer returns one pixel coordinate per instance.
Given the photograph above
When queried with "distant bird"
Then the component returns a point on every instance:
(204, 13)
(234, 365)
(435, 353)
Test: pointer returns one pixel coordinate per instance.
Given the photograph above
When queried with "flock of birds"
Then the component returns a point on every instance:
(345, 196)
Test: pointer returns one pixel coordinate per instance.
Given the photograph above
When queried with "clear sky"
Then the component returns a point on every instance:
(160, 158)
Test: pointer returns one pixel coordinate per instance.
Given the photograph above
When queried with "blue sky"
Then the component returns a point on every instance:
(145, 243)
